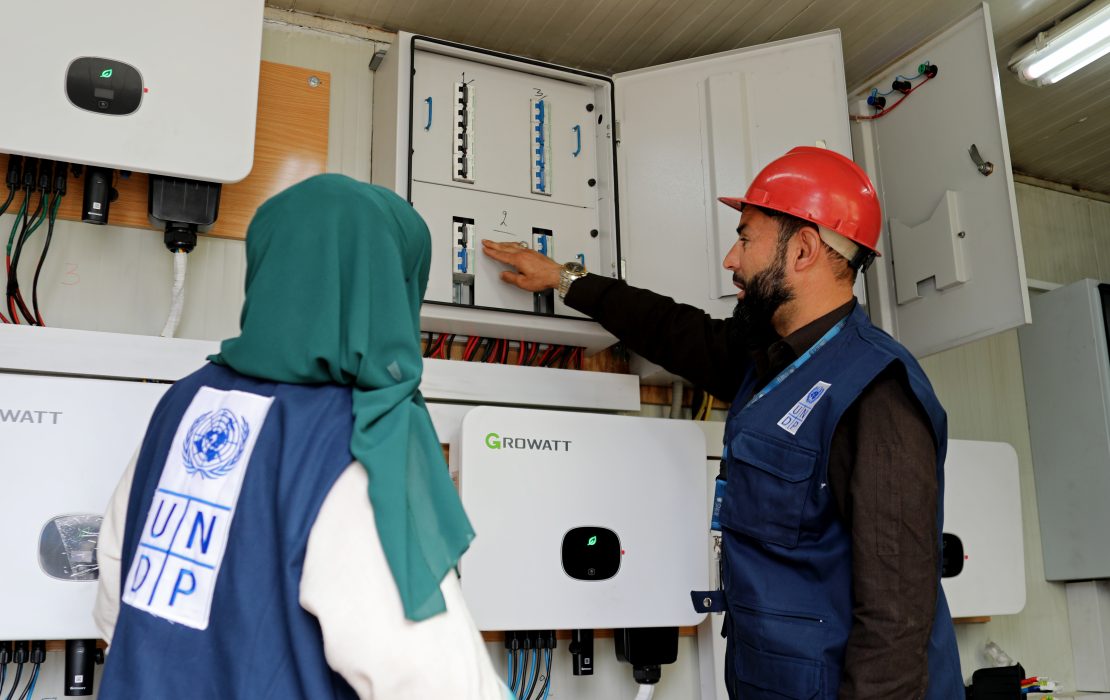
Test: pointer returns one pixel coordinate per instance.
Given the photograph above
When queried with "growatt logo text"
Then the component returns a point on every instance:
(494, 441)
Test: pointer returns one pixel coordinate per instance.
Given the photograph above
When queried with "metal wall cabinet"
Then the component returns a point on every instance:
(1067, 389)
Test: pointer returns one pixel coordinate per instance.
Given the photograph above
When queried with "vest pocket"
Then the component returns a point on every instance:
(768, 483)
(761, 675)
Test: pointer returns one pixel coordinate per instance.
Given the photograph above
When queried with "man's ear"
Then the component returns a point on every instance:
(808, 248)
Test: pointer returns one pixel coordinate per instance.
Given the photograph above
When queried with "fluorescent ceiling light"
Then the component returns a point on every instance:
(1056, 53)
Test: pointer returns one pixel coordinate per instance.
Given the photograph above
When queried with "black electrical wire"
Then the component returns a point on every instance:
(524, 673)
(553, 359)
(532, 682)
(42, 257)
(518, 657)
(40, 215)
(15, 298)
(546, 673)
(490, 345)
(15, 682)
(428, 345)
(7, 202)
(30, 683)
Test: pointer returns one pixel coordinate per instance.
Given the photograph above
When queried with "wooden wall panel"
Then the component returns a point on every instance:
(291, 143)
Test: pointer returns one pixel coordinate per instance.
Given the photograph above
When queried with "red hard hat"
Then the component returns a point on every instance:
(821, 186)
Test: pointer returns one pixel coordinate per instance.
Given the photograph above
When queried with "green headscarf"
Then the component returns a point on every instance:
(336, 273)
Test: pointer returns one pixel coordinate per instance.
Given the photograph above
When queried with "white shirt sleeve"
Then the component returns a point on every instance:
(348, 586)
(109, 547)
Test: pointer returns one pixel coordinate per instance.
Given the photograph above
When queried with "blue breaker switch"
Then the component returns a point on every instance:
(462, 272)
(541, 146)
(543, 241)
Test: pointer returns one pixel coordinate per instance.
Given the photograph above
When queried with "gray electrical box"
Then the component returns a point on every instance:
(1067, 389)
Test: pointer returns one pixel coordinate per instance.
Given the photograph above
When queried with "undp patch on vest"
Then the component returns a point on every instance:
(174, 572)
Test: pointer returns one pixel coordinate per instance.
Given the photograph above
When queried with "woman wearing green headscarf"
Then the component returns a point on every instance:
(289, 523)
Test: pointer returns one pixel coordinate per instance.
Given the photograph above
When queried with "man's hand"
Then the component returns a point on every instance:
(535, 272)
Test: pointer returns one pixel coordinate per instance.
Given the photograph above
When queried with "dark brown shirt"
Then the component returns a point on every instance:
(882, 472)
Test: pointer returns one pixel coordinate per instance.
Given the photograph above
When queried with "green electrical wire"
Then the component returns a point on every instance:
(15, 226)
(38, 222)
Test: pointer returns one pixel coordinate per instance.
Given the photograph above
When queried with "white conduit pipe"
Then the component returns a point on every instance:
(177, 296)
(677, 389)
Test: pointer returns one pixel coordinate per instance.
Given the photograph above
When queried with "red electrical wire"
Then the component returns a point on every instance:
(439, 345)
(471, 343)
(888, 110)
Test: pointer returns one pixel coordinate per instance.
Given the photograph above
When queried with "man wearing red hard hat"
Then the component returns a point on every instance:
(832, 477)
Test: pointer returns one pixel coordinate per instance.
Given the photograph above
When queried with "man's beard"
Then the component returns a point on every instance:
(764, 293)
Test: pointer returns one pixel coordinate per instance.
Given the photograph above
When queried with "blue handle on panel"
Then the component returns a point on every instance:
(578, 133)
(428, 126)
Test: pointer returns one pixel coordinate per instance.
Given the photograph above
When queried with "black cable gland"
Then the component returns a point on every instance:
(38, 651)
(20, 654)
(180, 237)
(15, 172)
(529, 640)
(61, 178)
(30, 173)
(647, 675)
(549, 636)
(46, 169)
(5, 651)
(931, 71)
(512, 641)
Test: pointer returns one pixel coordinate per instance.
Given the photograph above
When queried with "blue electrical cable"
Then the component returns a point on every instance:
(509, 653)
(519, 671)
(29, 690)
(547, 682)
(532, 680)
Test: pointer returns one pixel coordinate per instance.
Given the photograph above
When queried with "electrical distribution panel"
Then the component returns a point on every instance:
(492, 146)
(155, 87)
(582, 520)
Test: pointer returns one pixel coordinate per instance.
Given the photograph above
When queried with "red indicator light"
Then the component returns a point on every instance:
(146, 90)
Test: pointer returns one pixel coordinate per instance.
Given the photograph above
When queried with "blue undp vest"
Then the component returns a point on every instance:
(259, 642)
(788, 555)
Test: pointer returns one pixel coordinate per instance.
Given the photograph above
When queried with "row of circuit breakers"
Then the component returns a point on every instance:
(464, 170)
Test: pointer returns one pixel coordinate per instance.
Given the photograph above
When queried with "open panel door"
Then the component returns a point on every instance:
(952, 269)
(694, 130)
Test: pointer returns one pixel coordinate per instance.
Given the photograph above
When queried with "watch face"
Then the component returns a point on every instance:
(574, 268)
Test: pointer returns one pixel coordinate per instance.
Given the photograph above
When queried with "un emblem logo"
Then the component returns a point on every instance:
(215, 443)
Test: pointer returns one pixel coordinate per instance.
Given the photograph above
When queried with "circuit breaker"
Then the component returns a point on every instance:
(504, 149)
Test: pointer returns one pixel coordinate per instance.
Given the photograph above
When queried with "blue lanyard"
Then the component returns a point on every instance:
(796, 364)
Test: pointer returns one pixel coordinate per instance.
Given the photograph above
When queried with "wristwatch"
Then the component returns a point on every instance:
(570, 272)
